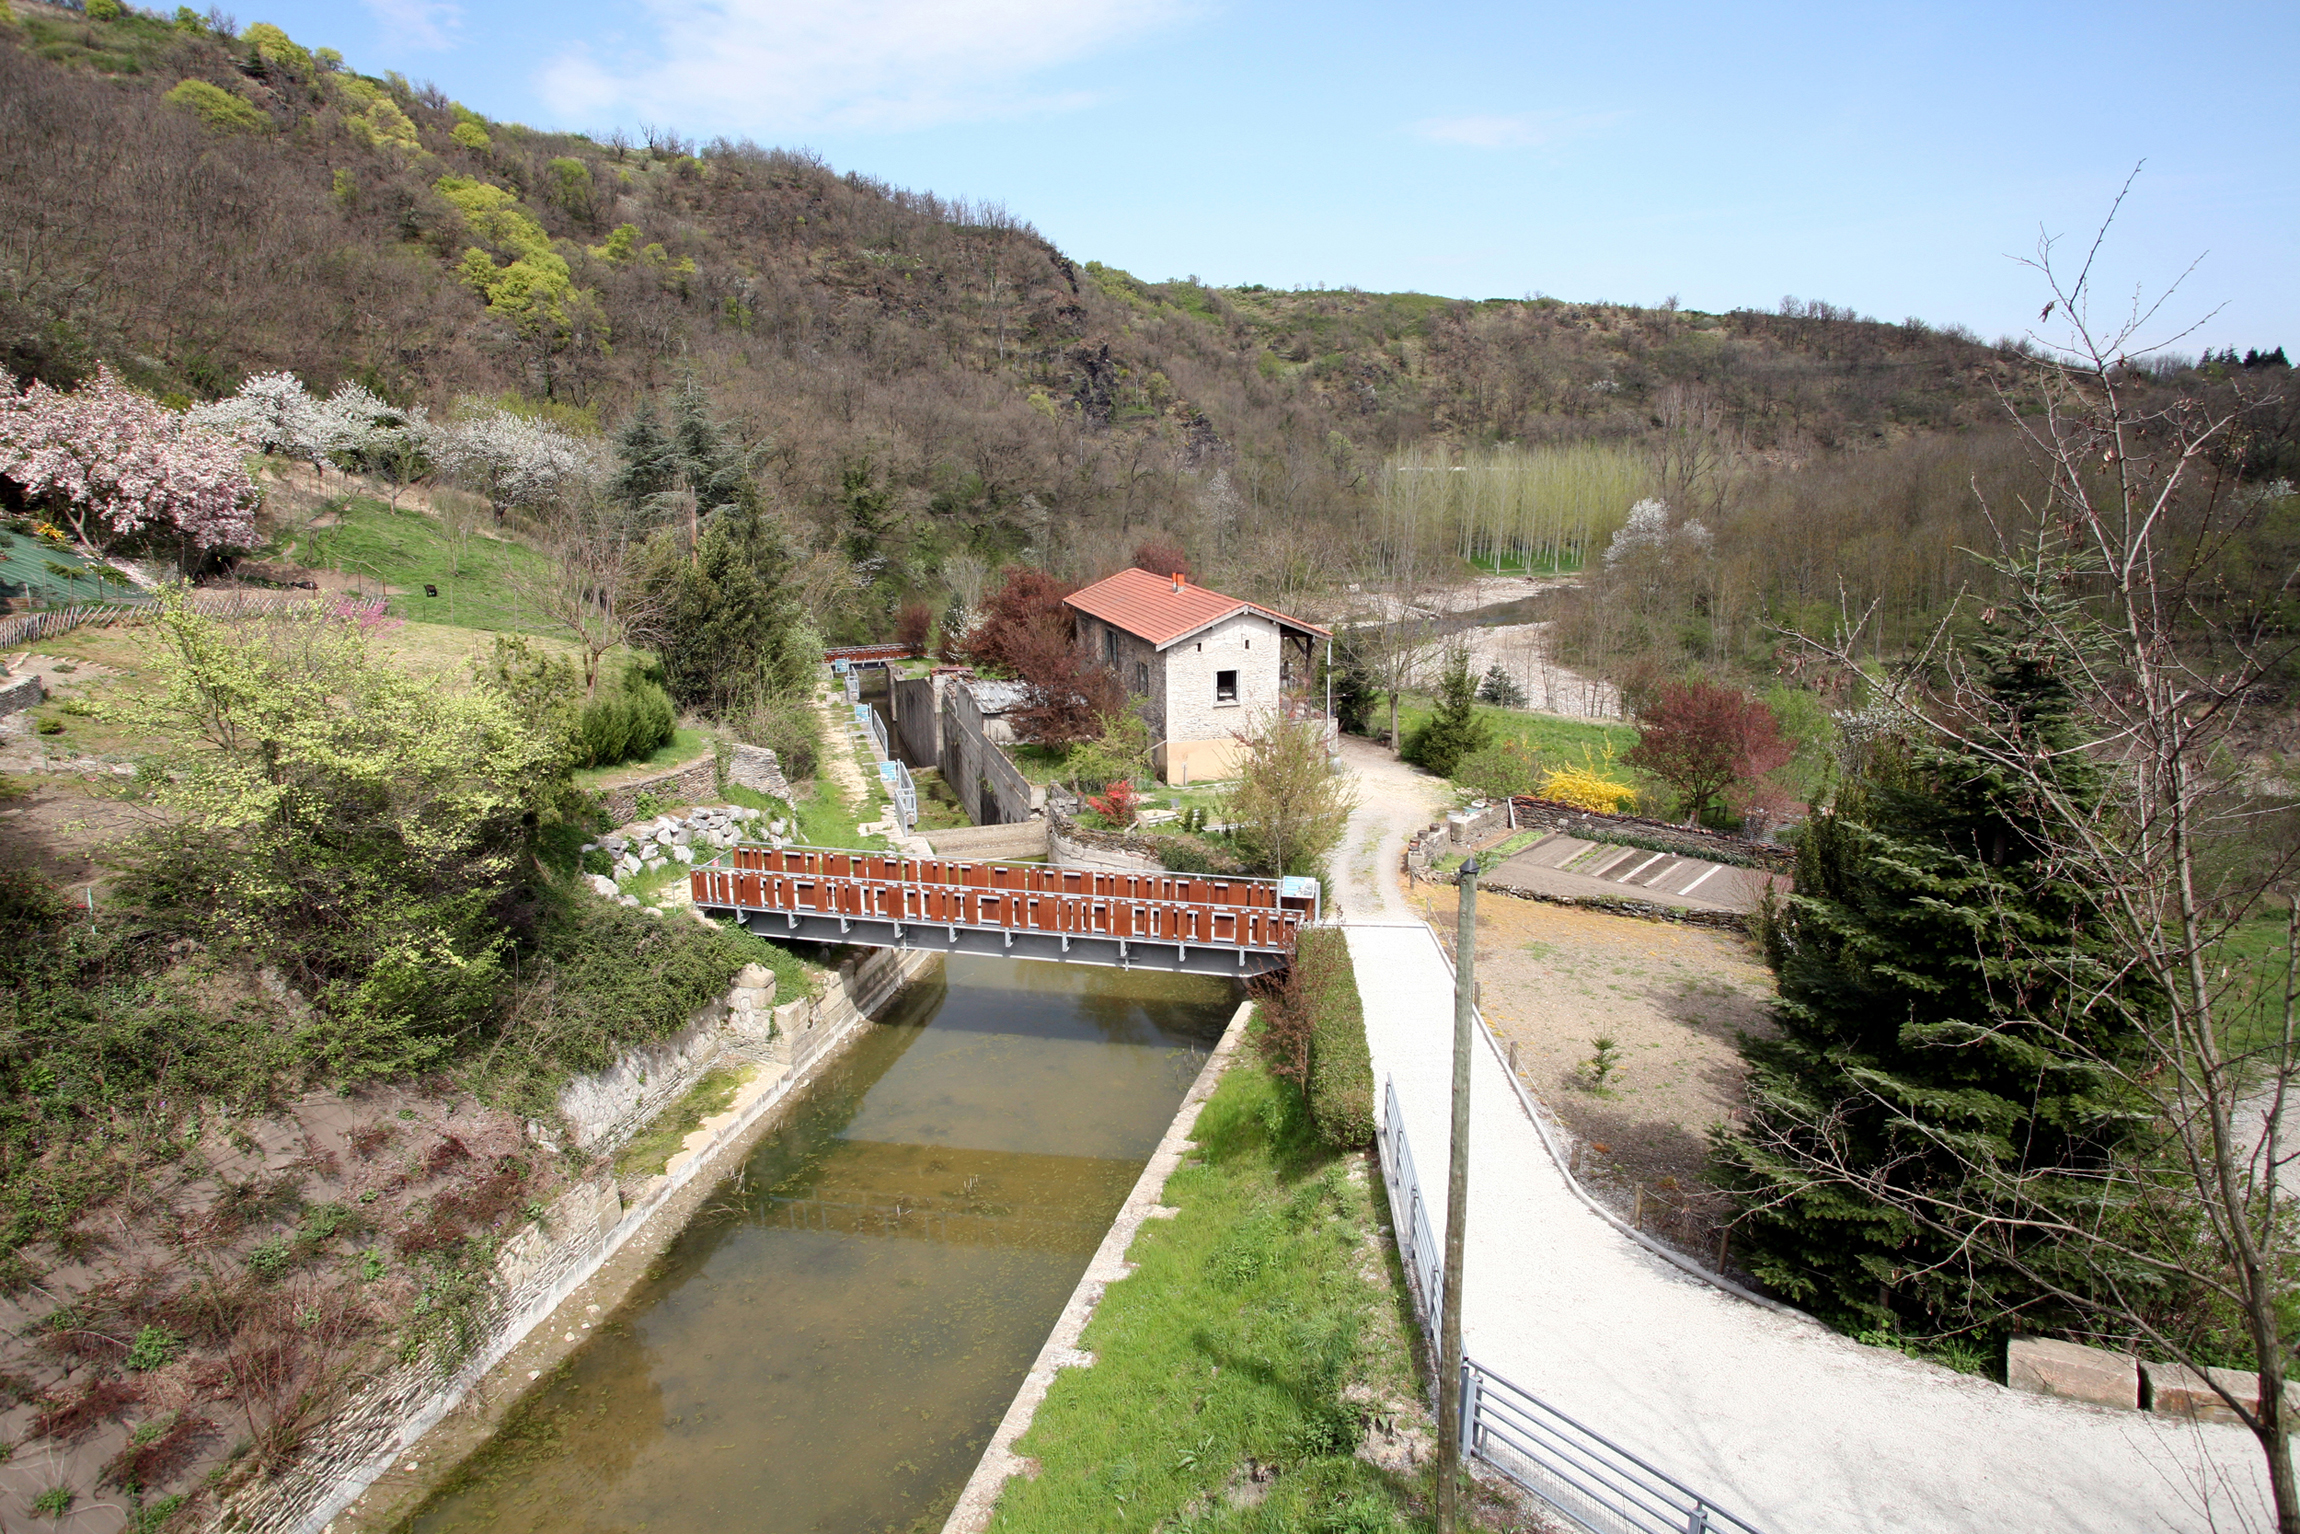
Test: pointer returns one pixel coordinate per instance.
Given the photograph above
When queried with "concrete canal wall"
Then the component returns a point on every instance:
(400, 1431)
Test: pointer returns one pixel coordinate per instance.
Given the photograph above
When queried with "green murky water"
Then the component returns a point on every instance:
(831, 1342)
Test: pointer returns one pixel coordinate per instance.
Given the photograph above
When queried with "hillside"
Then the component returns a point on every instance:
(934, 378)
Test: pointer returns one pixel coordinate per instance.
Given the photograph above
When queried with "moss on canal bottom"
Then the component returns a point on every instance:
(651, 1149)
(1263, 1338)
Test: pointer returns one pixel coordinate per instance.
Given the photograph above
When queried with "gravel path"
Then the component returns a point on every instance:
(1395, 799)
(1791, 1426)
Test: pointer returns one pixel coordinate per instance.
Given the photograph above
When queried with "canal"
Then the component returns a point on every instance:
(832, 1340)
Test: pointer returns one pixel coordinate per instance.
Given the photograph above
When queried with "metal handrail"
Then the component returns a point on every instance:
(902, 788)
(1585, 1476)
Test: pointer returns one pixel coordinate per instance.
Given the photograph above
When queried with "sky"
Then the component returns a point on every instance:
(1898, 160)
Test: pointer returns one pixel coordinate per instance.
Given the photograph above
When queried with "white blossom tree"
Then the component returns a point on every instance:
(274, 412)
(509, 459)
(114, 463)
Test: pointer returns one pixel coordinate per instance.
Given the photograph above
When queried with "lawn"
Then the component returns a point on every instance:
(1556, 741)
(1262, 1337)
(408, 549)
(684, 746)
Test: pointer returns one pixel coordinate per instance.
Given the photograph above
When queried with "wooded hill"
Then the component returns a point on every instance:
(194, 208)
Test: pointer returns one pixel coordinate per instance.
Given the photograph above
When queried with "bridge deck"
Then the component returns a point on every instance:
(1188, 922)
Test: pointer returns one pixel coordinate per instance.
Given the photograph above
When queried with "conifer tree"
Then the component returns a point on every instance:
(729, 627)
(648, 464)
(1929, 1030)
(1455, 730)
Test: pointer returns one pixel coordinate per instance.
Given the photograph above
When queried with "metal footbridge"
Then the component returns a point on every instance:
(1189, 923)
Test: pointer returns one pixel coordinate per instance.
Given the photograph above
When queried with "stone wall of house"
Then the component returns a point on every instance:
(1201, 730)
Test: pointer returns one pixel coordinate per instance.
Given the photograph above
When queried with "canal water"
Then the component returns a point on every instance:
(830, 1343)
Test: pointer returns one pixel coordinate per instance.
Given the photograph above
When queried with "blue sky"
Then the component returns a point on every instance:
(1890, 158)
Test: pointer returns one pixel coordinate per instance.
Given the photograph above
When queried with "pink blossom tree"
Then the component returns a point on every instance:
(115, 464)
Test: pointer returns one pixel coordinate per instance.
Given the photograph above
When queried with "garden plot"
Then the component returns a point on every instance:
(1569, 865)
(1671, 999)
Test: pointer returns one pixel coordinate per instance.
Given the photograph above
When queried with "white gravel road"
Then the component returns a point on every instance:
(1783, 1422)
(1793, 1427)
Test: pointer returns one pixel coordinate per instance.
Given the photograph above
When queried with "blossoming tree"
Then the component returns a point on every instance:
(114, 464)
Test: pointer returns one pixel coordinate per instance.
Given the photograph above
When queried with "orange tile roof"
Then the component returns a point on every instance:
(1156, 608)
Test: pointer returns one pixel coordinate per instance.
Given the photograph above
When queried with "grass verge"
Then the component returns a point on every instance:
(1258, 1343)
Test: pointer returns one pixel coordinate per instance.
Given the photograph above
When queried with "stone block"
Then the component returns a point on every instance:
(794, 1017)
(753, 976)
(2177, 1391)
(2047, 1367)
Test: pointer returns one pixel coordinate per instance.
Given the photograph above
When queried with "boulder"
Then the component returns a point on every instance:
(652, 864)
(2046, 1366)
(683, 854)
(2178, 1391)
(603, 885)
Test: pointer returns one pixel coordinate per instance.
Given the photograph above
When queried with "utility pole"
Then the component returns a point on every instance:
(1456, 1211)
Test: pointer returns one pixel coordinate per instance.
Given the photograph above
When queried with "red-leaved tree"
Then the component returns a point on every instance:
(1066, 695)
(912, 624)
(1701, 740)
(1162, 556)
(1020, 616)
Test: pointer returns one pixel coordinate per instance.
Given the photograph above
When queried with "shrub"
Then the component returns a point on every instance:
(786, 725)
(1586, 787)
(1314, 1034)
(624, 723)
(1497, 771)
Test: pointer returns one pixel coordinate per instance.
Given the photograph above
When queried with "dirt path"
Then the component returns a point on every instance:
(1394, 800)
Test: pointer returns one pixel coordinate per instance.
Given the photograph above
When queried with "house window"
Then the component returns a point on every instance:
(1110, 645)
(1141, 677)
(1225, 687)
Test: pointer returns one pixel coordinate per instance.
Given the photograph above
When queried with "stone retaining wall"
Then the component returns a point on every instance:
(1689, 841)
(540, 1265)
(1722, 921)
(756, 768)
(20, 693)
(683, 785)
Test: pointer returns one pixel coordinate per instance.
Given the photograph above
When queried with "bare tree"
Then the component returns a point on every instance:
(2111, 576)
(591, 588)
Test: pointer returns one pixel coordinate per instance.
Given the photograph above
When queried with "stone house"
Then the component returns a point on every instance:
(1202, 668)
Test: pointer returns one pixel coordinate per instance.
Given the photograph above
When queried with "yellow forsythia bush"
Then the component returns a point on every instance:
(1587, 788)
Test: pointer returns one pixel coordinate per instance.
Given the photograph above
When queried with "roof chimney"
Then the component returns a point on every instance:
(1177, 582)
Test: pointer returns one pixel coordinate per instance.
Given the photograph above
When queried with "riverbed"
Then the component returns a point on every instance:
(831, 1341)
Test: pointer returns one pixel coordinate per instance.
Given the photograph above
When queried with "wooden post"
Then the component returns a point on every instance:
(1449, 1400)
(1637, 1207)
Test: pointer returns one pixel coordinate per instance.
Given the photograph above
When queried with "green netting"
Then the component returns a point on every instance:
(35, 569)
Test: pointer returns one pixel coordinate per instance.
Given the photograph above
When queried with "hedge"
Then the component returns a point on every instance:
(1341, 1066)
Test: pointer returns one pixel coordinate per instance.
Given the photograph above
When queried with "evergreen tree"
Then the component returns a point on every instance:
(1355, 690)
(1500, 688)
(1925, 990)
(730, 630)
(1456, 729)
(714, 466)
(648, 462)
